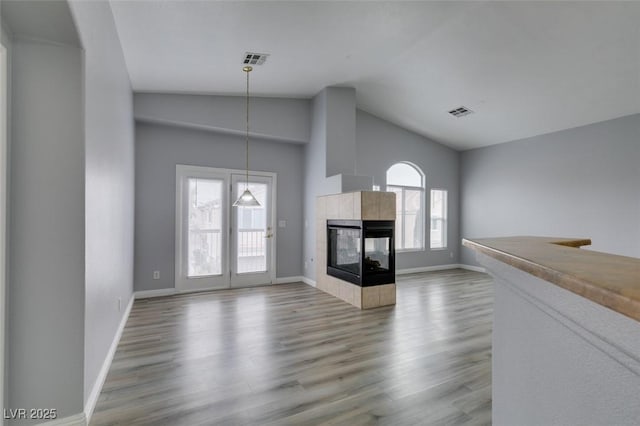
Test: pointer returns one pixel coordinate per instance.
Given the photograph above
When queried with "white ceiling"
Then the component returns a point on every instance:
(525, 68)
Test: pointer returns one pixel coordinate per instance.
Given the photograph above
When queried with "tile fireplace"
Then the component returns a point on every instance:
(355, 247)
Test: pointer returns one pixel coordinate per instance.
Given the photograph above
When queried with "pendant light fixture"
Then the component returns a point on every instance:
(247, 199)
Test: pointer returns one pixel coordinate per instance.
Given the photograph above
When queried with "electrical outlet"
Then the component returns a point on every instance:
(119, 304)
(305, 265)
(156, 275)
(451, 254)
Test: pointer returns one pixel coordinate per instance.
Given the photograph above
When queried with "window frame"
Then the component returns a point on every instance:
(445, 219)
(422, 190)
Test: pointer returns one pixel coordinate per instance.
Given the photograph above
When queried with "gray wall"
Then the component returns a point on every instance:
(279, 119)
(46, 262)
(380, 144)
(109, 183)
(581, 182)
(71, 208)
(159, 148)
(340, 123)
(330, 152)
(5, 38)
(315, 162)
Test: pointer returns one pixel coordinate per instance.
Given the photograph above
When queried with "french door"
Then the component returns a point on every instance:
(251, 232)
(218, 245)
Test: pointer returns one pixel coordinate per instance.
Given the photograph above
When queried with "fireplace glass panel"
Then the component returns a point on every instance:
(376, 254)
(346, 253)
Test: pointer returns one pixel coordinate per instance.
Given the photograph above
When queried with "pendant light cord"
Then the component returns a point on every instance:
(247, 199)
(247, 136)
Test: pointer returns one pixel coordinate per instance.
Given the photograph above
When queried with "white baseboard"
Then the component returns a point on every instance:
(473, 268)
(90, 405)
(155, 293)
(308, 281)
(145, 294)
(284, 280)
(298, 278)
(426, 269)
(438, 268)
(75, 420)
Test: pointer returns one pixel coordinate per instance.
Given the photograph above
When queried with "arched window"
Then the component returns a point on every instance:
(407, 181)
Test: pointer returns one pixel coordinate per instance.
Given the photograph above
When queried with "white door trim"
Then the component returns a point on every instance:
(182, 171)
(3, 206)
(274, 223)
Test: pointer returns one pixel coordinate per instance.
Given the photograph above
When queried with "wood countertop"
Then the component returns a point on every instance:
(609, 280)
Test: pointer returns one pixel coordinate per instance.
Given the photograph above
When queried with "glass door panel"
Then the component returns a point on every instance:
(251, 232)
(205, 227)
(252, 235)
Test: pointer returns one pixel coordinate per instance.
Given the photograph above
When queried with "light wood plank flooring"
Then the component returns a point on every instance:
(292, 355)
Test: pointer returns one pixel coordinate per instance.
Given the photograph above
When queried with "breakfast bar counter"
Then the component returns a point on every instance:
(609, 280)
(566, 332)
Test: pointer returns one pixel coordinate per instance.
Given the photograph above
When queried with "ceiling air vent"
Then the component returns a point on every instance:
(460, 111)
(251, 58)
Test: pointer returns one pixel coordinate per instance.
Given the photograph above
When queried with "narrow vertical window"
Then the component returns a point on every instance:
(407, 181)
(438, 218)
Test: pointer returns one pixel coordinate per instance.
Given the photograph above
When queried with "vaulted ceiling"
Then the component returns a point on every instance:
(523, 68)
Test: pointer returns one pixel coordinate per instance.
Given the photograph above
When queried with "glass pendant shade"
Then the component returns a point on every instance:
(246, 200)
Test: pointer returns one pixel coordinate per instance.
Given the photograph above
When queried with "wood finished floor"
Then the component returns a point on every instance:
(292, 355)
